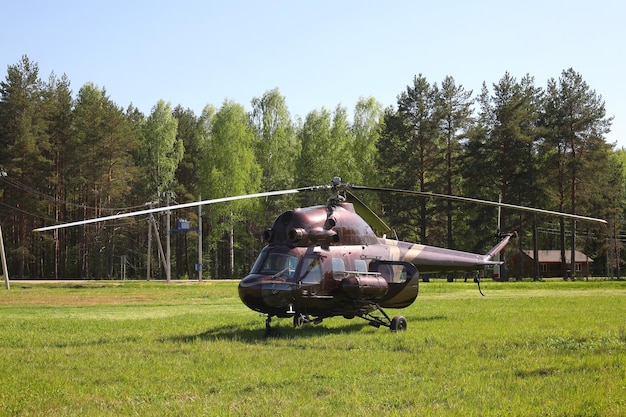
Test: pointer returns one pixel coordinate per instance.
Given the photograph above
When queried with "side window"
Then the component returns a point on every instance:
(310, 271)
(360, 265)
(339, 269)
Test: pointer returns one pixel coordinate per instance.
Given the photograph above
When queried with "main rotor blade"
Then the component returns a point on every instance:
(174, 207)
(484, 202)
(367, 214)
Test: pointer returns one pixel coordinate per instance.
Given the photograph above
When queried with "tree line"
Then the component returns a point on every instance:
(67, 156)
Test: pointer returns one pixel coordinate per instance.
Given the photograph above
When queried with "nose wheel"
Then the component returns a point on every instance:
(300, 319)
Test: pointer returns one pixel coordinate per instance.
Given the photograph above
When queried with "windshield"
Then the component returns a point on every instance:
(276, 264)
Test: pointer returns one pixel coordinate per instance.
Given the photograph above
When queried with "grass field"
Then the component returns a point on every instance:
(138, 348)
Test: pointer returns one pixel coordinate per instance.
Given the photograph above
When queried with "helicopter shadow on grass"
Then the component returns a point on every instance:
(239, 333)
(256, 335)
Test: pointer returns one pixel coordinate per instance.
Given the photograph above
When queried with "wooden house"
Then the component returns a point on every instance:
(522, 264)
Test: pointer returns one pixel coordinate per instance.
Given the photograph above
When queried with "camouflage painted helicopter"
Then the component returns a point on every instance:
(325, 261)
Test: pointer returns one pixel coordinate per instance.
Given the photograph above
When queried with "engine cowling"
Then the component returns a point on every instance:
(313, 235)
(365, 287)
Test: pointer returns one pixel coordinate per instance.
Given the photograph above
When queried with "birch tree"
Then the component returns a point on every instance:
(231, 169)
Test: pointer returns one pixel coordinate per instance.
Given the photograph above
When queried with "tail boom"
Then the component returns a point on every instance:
(436, 259)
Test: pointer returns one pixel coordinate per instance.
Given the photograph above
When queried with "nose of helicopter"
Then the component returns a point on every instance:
(266, 294)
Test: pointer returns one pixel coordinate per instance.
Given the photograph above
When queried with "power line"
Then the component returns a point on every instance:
(23, 187)
(38, 216)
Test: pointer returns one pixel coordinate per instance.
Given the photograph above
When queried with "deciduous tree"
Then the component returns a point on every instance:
(278, 149)
(232, 169)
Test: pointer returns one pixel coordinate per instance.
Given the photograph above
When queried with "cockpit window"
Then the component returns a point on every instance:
(276, 264)
(310, 271)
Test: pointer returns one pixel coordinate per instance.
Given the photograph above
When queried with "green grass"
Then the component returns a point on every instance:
(137, 348)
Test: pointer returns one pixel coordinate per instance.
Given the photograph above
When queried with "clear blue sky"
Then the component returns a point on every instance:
(317, 53)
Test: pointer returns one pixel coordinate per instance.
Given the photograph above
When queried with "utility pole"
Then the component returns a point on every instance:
(123, 266)
(158, 239)
(168, 251)
(200, 240)
(5, 270)
(497, 268)
(149, 255)
(611, 248)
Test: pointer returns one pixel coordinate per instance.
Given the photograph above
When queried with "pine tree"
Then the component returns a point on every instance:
(25, 159)
(454, 109)
(575, 122)
(418, 145)
(188, 134)
(60, 115)
(101, 175)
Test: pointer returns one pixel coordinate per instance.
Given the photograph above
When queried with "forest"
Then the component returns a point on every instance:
(67, 156)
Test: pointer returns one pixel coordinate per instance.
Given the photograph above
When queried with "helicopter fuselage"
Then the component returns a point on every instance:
(326, 261)
(323, 282)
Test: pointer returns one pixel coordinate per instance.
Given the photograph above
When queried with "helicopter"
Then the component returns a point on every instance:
(325, 261)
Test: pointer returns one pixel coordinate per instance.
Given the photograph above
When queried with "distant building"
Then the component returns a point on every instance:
(523, 265)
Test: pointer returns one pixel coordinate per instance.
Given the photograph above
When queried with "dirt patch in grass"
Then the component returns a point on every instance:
(74, 299)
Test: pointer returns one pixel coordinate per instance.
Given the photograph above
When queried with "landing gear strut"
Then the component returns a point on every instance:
(269, 330)
(398, 323)
(300, 319)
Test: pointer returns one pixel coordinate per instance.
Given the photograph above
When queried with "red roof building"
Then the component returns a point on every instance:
(522, 264)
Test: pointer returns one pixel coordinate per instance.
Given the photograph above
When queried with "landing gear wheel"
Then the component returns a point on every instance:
(398, 323)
